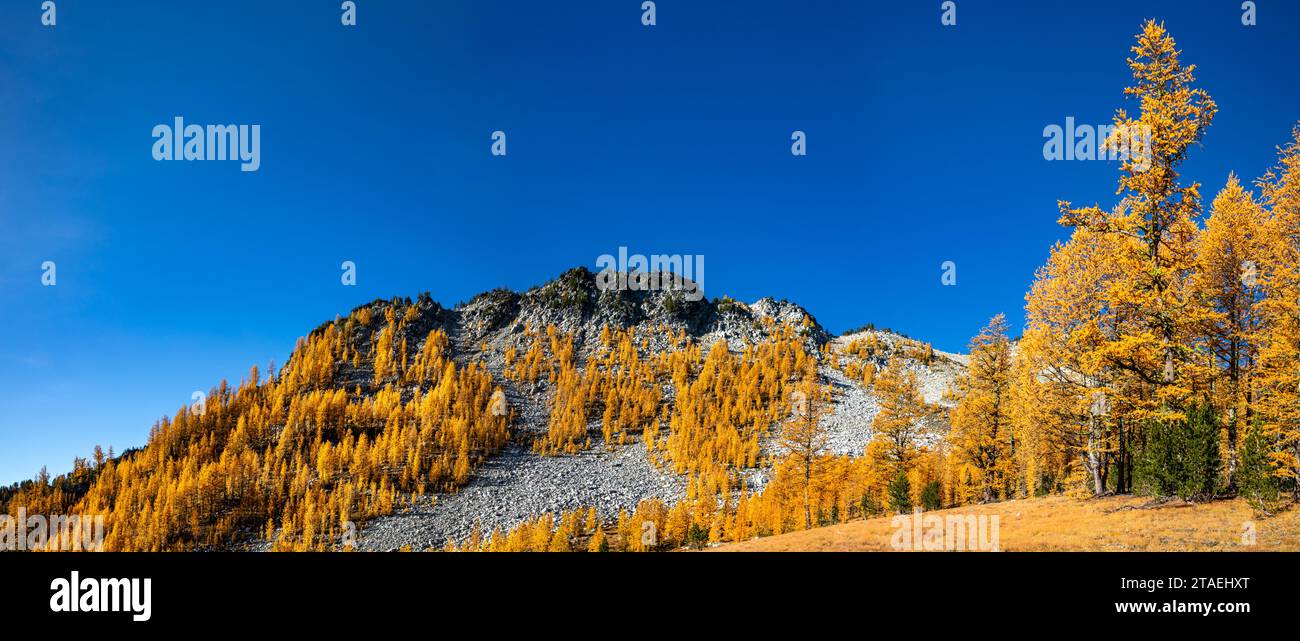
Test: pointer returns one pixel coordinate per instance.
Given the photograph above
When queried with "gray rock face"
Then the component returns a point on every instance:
(848, 428)
(517, 485)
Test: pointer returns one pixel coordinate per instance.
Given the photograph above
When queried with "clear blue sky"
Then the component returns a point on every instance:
(924, 145)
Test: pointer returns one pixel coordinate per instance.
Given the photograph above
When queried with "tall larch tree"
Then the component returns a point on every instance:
(902, 409)
(803, 438)
(981, 427)
(1279, 366)
(1230, 253)
(1160, 212)
(1077, 399)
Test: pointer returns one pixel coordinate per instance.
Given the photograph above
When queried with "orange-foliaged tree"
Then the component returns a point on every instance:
(803, 438)
(1230, 253)
(1278, 368)
(1158, 213)
(1078, 395)
(982, 435)
(902, 411)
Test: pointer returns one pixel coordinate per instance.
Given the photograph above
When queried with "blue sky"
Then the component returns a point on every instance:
(924, 145)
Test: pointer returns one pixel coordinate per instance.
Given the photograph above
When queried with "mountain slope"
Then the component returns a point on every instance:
(519, 484)
(388, 417)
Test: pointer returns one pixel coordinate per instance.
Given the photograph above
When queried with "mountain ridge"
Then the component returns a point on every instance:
(511, 482)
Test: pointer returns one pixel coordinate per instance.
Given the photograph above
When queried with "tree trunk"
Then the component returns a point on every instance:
(807, 501)
(1094, 468)
(1121, 464)
(1092, 459)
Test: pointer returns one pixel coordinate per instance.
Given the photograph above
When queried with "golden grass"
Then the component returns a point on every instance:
(1109, 524)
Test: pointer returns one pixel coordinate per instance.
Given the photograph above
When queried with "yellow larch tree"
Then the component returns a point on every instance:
(1230, 253)
(1159, 213)
(981, 427)
(1279, 309)
(902, 409)
(803, 438)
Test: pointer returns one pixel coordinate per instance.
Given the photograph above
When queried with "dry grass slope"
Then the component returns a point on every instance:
(1110, 524)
